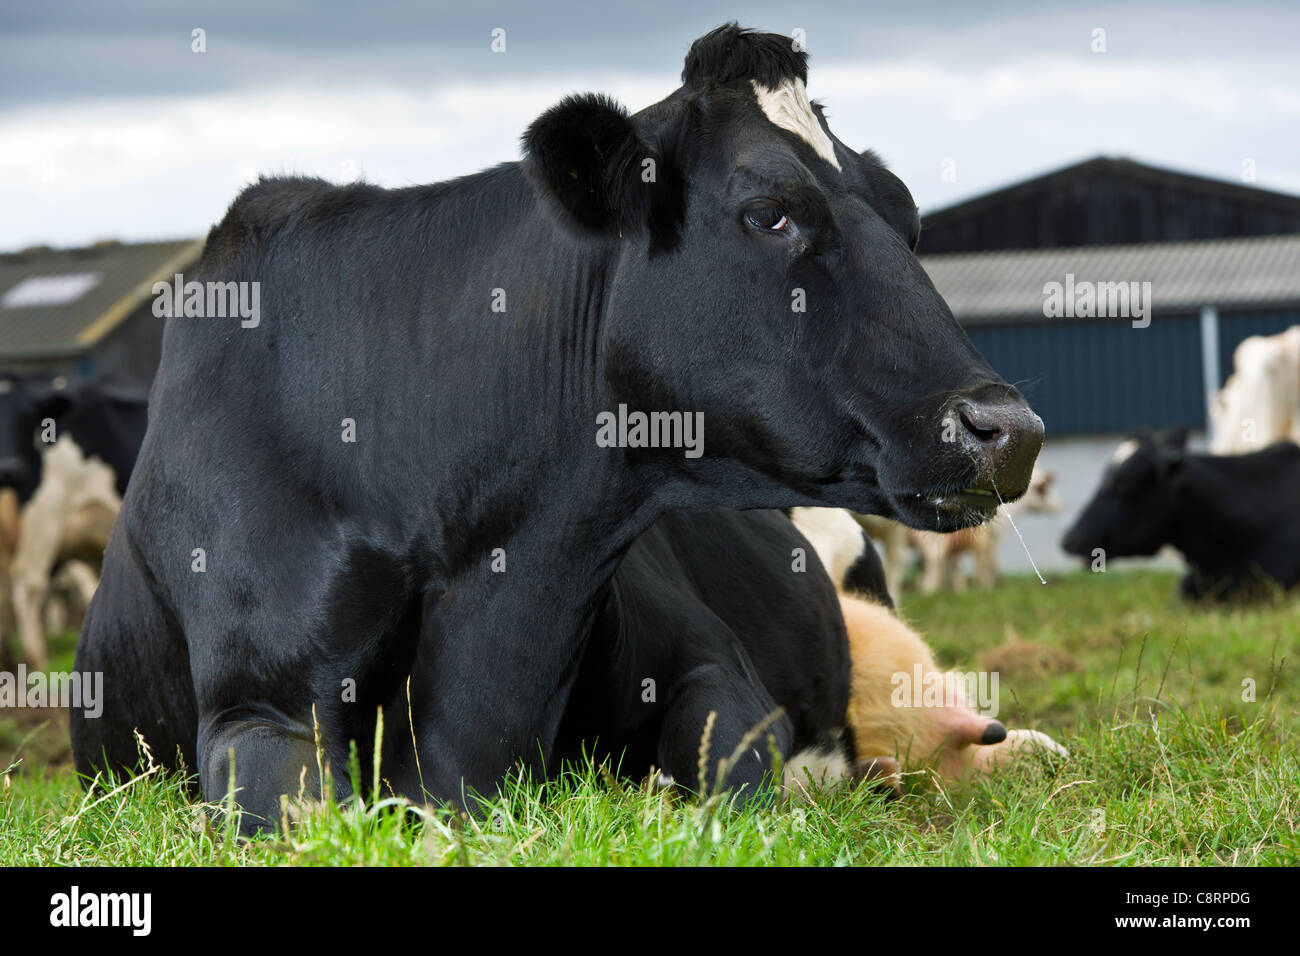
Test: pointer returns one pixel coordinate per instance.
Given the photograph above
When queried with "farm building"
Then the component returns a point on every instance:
(87, 312)
(1194, 265)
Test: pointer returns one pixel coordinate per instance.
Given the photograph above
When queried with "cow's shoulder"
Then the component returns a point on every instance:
(273, 204)
(1282, 460)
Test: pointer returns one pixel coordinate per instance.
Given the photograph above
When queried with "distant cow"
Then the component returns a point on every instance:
(1260, 402)
(106, 419)
(8, 544)
(68, 519)
(1235, 518)
(66, 453)
(941, 554)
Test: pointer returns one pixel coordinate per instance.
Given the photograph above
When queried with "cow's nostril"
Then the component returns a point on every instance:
(994, 733)
(982, 428)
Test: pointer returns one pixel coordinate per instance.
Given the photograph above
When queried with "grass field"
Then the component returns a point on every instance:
(1173, 762)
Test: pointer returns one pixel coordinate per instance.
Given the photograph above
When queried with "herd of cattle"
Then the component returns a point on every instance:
(508, 591)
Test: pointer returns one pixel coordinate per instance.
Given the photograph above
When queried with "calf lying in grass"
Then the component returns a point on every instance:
(900, 703)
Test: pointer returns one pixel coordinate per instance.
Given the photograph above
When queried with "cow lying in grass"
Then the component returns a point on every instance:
(1235, 518)
(722, 611)
(399, 487)
(950, 739)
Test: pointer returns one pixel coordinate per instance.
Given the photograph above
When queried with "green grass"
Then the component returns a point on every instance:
(1169, 766)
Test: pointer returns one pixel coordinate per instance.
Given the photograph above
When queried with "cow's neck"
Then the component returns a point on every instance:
(1209, 533)
(536, 483)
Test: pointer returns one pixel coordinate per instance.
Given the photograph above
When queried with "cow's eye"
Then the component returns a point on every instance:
(769, 219)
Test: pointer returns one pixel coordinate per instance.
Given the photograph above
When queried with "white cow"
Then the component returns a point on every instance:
(1260, 402)
(67, 519)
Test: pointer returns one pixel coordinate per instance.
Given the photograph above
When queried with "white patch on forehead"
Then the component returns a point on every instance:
(1124, 451)
(788, 107)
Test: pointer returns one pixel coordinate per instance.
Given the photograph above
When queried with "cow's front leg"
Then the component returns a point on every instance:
(489, 685)
(743, 716)
(30, 574)
(261, 757)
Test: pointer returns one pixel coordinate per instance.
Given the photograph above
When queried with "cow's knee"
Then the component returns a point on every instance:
(743, 713)
(268, 761)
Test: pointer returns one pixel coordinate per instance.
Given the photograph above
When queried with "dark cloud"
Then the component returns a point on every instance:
(52, 51)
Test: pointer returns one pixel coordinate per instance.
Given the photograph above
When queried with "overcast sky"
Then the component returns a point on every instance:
(112, 127)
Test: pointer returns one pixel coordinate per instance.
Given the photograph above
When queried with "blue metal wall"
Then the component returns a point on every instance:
(1235, 326)
(1101, 377)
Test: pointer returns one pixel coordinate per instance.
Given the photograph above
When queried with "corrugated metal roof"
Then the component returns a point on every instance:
(978, 286)
(1229, 273)
(124, 278)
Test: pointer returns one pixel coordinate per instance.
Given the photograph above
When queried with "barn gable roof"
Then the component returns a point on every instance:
(1105, 201)
(59, 302)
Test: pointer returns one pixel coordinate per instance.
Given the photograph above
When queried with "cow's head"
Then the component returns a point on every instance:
(762, 272)
(25, 404)
(1133, 512)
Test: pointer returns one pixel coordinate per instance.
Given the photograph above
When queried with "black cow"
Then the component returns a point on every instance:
(718, 254)
(106, 419)
(724, 611)
(1235, 518)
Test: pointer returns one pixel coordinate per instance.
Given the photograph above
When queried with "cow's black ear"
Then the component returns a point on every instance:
(1175, 438)
(53, 400)
(584, 155)
(1171, 446)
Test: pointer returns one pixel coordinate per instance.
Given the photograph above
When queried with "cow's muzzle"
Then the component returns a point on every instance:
(1002, 436)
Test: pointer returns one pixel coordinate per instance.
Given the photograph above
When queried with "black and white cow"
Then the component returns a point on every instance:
(719, 256)
(1235, 518)
(66, 451)
(846, 552)
(105, 419)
